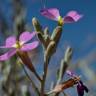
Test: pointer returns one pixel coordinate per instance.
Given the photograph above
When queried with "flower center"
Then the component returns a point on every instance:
(60, 20)
(18, 44)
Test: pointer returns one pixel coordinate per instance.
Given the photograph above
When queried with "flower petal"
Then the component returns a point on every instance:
(7, 55)
(51, 13)
(29, 46)
(10, 41)
(26, 36)
(72, 16)
(84, 87)
(80, 90)
(70, 73)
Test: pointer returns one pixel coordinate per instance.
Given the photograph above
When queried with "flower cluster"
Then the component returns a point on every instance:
(20, 46)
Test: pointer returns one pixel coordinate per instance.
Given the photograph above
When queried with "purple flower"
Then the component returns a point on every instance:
(80, 86)
(18, 45)
(53, 13)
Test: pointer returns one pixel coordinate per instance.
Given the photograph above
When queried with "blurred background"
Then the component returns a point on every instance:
(16, 17)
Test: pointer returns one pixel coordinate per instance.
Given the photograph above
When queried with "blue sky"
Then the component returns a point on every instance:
(76, 34)
(80, 35)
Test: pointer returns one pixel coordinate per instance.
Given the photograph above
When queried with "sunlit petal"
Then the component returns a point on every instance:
(72, 16)
(52, 13)
(7, 55)
(30, 46)
(26, 36)
(10, 41)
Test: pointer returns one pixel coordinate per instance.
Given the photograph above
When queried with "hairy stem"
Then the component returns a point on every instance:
(46, 62)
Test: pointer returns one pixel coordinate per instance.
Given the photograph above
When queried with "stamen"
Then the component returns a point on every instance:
(60, 20)
(18, 44)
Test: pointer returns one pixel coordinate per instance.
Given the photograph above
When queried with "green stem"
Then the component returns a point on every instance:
(46, 62)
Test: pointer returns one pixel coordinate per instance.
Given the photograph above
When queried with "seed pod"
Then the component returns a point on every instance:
(50, 49)
(68, 54)
(46, 36)
(26, 60)
(67, 84)
(64, 63)
(56, 34)
(36, 25)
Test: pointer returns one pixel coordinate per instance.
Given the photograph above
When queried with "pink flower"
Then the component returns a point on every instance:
(18, 45)
(80, 86)
(53, 13)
